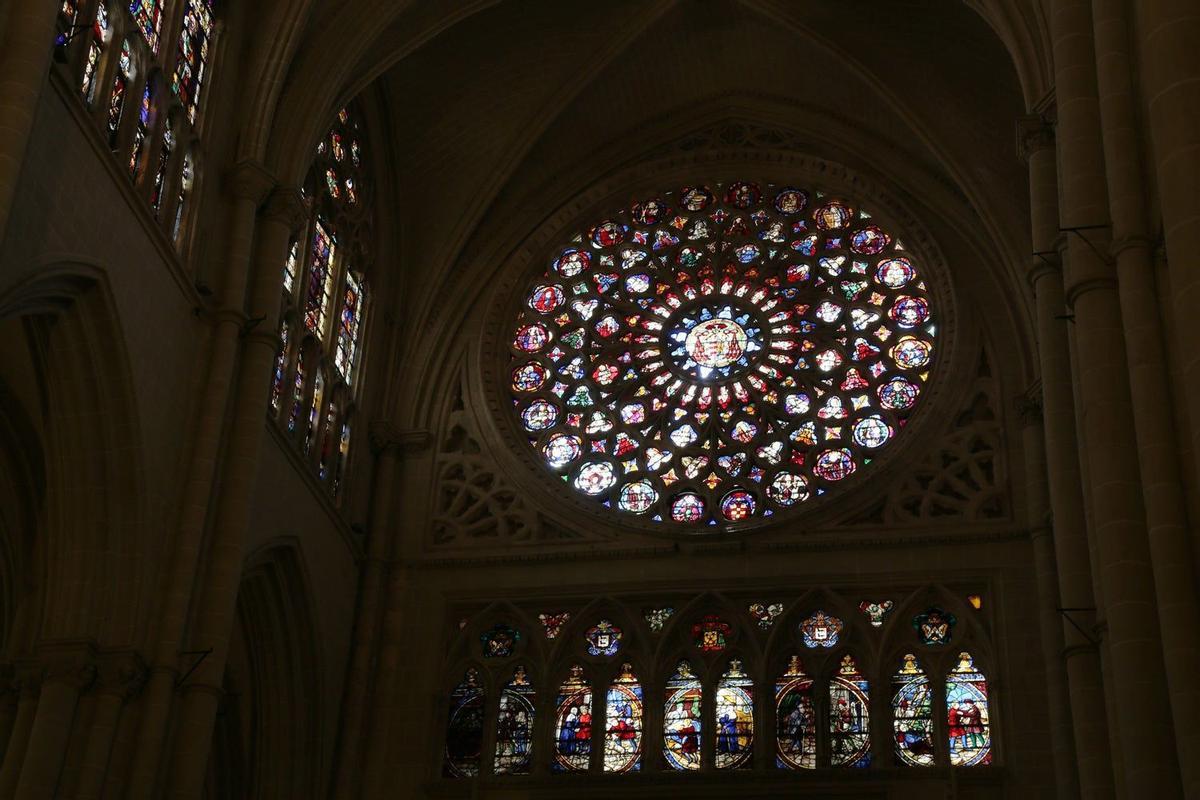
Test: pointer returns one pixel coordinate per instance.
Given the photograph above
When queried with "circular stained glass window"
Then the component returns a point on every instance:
(720, 353)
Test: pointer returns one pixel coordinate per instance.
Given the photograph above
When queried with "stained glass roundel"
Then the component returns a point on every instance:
(721, 352)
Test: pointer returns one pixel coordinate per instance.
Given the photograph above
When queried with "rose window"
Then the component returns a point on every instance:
(721, 353)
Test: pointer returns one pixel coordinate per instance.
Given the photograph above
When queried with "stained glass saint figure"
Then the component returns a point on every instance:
(682, 719)
(795, 719)
(912, 715)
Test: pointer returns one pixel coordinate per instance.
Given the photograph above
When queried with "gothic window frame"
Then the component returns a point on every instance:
(170, 201)
(764, 654)
(326, 426)
(510, 445)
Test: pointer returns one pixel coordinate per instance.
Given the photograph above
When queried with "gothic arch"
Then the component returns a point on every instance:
(282, 674)
(92, 535)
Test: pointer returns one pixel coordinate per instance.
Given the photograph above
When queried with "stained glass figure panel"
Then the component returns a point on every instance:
(967, 719)
(912, 715)
(320, 277)
(192, 58)
(734, 718)
(514, 726)
(573, 724)
(348, 326)
(147, 14)
(623, 723)
(682, 719)
(849, 716)
(464, 729)
(795, 719)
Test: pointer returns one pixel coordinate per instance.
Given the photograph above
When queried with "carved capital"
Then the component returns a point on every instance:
(385, 436)
(1034, 133)
(286, 206)
(1029, 406)
(249, 180)
(121, 672)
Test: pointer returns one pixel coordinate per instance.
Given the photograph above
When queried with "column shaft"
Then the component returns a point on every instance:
(249, 185)
(48, 738)
(1162, 487)
(1170, 73)
(1062, 736)
(218, 598)
(18, 743)
(94, 768)
(28, 42)
(366, 627)
(1064, 480)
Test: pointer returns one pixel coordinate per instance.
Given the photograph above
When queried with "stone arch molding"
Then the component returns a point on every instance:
(92, 532)
(484, 398)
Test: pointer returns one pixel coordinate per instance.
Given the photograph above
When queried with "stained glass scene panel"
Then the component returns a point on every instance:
(681, 719)
(849, 716)
(795, 719)
(912, 715)
(464, 730)
(192, 58)
(146, 16)
(348, 325)
(967, 721)
(514, 726)
(623, 723)
(316, 306)
(573, 724)
(735, 718)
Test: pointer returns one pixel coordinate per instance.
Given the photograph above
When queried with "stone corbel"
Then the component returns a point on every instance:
(249, 180)
(286, 206)
(1034, 133)
(385, 436)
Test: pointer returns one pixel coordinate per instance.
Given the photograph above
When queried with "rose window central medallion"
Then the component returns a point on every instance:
(720, 353)
(712, 342)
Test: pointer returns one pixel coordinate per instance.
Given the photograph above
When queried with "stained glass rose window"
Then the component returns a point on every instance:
(721, 352)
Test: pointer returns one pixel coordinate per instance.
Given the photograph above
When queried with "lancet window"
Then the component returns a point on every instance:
(140, 68)
(325, 298)
(838, 687)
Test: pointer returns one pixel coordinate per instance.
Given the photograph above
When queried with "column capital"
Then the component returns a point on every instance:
(1028, 405)
(1124, 243)
(385, 436)
(1042, 265)
(1034, 133)
(121, 672)
(286, 206)
(67, 661)
(249, 180)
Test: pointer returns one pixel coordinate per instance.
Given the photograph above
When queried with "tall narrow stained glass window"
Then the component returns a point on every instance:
(96, 44)
(573, 724)
(160, 172)
(514, 726)
(147, 14)
(912, 715)
(325, 300)
(623, 723)
(192, 58)
(968, 724)
(142, 129)
(735, 718)
(116, 99)
(464, 728)
(181, 200)
(849, 716)
(682, 719)
(795, 719)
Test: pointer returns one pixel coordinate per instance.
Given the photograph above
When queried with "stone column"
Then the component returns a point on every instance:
(1068, 527)
(386, 443)
(68, 674)
(216, 607)
(120, 677)
(28, 43)
(1118, 514)
(388, 673)
(1062, 736)
(1168, 31)
(28, 684)
(248, 184)
(1154, 423)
